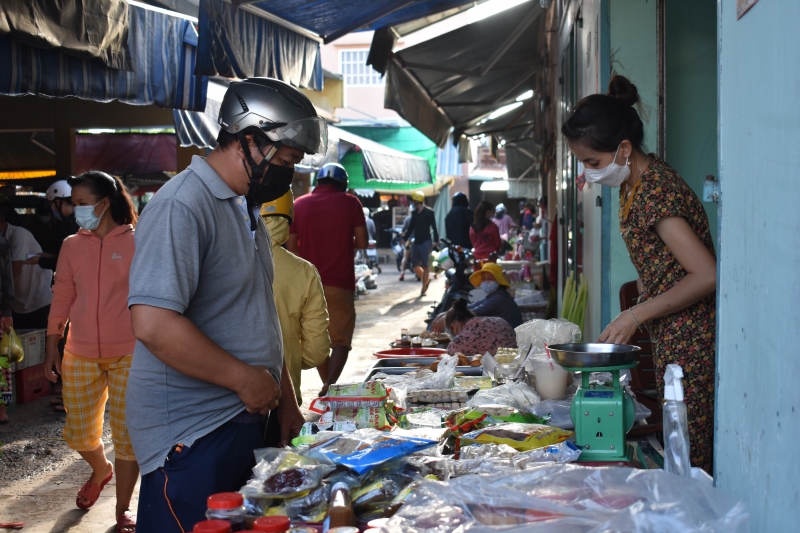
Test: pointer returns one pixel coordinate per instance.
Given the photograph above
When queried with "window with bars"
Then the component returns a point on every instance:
(353, 64)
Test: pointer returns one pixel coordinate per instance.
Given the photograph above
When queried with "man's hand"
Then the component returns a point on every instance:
(6, 323)
(259, 391)
(437, 326)
(291, 420)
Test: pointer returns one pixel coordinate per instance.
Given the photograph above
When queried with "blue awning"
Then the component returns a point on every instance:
(333, 19)
(237, 44)
(163, 51)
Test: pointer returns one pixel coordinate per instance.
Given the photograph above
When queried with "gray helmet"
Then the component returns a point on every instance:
(278, 110)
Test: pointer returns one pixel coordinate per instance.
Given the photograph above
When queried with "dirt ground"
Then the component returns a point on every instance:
(40, 476)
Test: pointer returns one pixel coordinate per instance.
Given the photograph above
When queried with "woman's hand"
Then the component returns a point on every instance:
(6, 323)
(52, 358)
(437, 326)
(620, 330)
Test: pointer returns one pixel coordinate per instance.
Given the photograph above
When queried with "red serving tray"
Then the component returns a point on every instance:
(409, 352)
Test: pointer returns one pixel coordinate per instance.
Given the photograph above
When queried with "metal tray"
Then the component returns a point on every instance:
(590, 355)
(398, 362)
(394, 371)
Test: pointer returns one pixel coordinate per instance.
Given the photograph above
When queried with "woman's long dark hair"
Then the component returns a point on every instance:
(602, 121)
(458, 313)
(103, 185)
(480, 215)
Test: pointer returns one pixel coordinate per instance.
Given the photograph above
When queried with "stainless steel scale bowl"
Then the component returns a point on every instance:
(593, 354)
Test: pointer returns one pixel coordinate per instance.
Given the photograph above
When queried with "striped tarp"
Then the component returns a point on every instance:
(163, 50)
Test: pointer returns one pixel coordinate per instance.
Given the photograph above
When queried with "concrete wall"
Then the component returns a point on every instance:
(691, 102)
(758, 398)
(632, 42)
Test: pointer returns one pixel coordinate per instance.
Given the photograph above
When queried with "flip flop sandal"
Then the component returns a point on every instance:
(60, 408)
(91, 492)
(57, 401)
(6, 421)
(126, 523)
(12, 525)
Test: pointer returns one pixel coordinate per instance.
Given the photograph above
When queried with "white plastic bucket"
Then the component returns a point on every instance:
(551, 379)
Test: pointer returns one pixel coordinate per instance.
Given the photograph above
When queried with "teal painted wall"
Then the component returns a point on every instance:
(632, 41)
(691, 102)
(758, 364)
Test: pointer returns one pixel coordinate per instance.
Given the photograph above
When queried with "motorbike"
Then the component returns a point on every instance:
(370, 258)
(457, 264)
(396, 245)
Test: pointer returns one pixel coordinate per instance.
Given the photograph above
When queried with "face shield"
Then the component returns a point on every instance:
(309, 135)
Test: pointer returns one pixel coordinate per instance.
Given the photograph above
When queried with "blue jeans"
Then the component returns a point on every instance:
(172, 499)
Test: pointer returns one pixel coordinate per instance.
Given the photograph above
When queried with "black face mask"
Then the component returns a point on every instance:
(277, 182)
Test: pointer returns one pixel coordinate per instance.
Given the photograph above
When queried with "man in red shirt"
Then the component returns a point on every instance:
(328, 227)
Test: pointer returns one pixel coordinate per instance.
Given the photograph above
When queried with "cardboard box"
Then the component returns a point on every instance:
(31, 384)
(34, 346)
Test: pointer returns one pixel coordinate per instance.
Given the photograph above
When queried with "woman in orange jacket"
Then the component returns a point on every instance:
(91, 293)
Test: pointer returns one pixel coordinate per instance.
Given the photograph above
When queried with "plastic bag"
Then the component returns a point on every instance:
(513, 394)
(443, 378)
(518, 436)
(557, 411)
(563, 497)
(280, 473)
(353, 405)
(11, 347)
(365, 449)
(309, 508)
(475, 418)
(533, 335)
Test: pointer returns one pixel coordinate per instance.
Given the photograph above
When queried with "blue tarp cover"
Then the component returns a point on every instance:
(325, 17)
(163, 50)
(237, 44)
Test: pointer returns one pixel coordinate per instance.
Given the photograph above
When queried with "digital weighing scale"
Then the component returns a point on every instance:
(602, 415)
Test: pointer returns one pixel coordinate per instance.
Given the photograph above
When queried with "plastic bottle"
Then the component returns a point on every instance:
(272, 524)
(212, 526)
(676, 424)
(340, 510)
(228, 506)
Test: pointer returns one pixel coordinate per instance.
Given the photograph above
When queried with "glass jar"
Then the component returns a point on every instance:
(228, 506)
(272, 524)
(212, 526)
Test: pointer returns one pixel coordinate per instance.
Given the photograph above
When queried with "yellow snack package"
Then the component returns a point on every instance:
(519, 436)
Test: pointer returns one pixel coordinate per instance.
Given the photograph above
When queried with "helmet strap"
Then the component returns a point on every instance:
(256, 173)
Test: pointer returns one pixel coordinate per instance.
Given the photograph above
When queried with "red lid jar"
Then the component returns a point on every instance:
(272, 524)
(225, 500)
(212, 526)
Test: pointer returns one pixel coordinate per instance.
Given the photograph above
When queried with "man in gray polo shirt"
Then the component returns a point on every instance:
(208, 361)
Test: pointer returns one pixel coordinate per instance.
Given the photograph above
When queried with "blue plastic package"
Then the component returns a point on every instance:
(363, 450)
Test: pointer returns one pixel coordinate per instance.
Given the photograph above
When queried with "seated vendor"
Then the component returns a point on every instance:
(498, 302)
(477, 334)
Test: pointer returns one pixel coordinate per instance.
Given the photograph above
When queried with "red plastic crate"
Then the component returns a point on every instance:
(31, 384)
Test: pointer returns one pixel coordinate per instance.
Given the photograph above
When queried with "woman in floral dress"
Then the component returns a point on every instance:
(666, 231)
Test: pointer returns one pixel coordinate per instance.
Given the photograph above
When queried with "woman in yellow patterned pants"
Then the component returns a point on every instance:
(91, 293)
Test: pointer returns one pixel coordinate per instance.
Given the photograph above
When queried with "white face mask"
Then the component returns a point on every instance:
(489, 286)
(612, 176)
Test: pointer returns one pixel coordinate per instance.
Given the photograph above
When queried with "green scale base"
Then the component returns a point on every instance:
(602, 417)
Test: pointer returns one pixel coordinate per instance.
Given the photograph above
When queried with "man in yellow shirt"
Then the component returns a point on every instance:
(302, 309)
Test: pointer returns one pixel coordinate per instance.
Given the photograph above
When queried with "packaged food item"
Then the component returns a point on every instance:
(354, 406)
(518, 436)
(310, 507)
(422, 417)
(280, 473)
(228, 506)
(340, 510)
(475, 418)
(473, 382)
(364, 449)
(513, 394)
